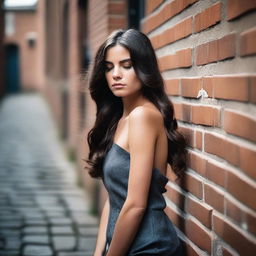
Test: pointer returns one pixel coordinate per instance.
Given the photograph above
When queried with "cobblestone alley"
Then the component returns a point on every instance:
(43, 212)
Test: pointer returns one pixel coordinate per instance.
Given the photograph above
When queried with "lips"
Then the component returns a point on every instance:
(118, 85)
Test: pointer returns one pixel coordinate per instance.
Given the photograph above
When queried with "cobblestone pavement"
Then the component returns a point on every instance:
(43, 212)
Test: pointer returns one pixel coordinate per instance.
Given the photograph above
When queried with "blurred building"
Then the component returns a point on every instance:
(207, 55)
(49, 45)
(22, 46)
(2, 83)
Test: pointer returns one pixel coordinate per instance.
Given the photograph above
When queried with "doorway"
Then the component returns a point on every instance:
(12, 69)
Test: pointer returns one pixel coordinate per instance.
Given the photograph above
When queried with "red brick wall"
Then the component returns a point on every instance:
(210, 45)
(104, 16)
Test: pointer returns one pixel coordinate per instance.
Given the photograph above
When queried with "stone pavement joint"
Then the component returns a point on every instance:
(43, 212)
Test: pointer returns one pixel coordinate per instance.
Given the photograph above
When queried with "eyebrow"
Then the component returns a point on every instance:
(121, 61)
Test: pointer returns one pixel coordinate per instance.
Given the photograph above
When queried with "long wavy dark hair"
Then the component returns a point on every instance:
(110, 107)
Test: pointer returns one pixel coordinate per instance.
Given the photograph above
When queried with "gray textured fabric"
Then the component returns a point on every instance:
(156, 234)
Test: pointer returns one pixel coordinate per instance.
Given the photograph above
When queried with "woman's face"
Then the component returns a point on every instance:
(121, 77)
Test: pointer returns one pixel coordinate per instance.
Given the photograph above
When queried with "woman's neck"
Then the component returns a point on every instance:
(131, 102)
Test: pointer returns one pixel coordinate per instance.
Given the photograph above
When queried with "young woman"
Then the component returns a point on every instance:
(134, 137)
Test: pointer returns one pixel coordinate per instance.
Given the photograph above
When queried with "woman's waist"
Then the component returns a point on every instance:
(151, 206)
(155, 228)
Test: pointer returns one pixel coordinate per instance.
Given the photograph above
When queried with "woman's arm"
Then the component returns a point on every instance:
(142, 139)
(101, 239)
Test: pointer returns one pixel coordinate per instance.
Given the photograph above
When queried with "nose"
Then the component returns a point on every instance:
(117, 74)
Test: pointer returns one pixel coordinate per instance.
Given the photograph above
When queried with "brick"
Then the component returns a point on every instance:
(222, 147)
(116, 8)
(172, 86)
(234, 236)
(243, 217)
(10, 224)
(226, 47)
(248, 161)
(198, 140)
(39, 240)
(59, 230)
(216, 50)
(182, 111)
(214, 144)
(64, 243)
(227, 87)
(188, 134)
(31, 250)
(214, 197)
(35, 230)
(208, 17)
(205, 115)
(35, 222)
(247, 42)
(231, 152)
(180, 59)
(177, 32)
(9, 253)
(200, 211)
(152, 5)
(85, 220)
(166, 13)
(192, 184)
(208, 84)
(198, 235)
(197, 163)
(149, 23)
(240, 189)
(235, 8)
(86, 244)
(233, 211)
(12, 243)
(60, 221)
(227, 252)
(176, 197)
(190, 251)
(176, 218)
(250, 219)
(190, 87)
(156, 40)
(88, 231)
(215, 173)
(117, 22)
(253, 89)
(240, 124)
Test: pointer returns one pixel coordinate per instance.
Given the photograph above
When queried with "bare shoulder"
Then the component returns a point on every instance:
(146, 115)
(143, 131)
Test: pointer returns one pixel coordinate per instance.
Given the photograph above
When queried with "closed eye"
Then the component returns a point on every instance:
(127, 64)
(108, 67)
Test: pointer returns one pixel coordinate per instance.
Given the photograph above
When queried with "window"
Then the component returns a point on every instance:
(135, 13)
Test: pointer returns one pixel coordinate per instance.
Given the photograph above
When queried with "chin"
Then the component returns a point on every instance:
(123, 93)
(120, 93)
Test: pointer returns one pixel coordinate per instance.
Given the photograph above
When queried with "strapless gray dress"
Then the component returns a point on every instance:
(156, 234)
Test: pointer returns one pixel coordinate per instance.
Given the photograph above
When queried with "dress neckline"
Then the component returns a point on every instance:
(128, 153)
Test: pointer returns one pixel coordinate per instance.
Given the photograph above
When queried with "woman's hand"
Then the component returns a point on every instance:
(101, 238)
